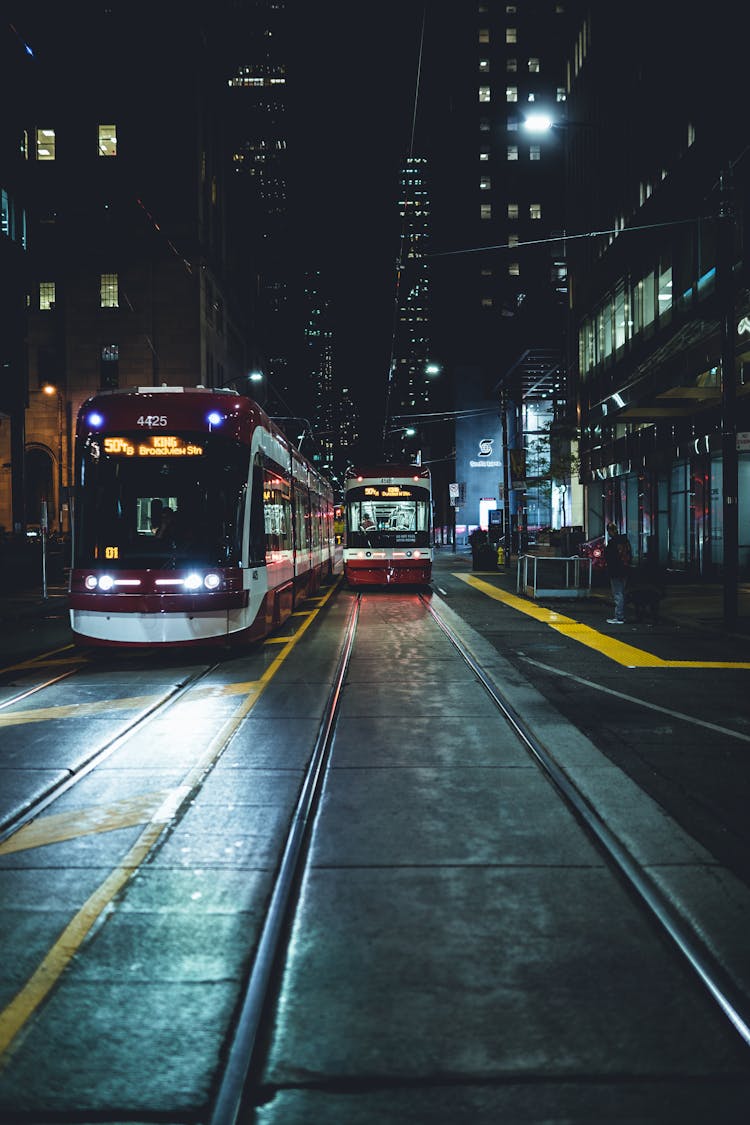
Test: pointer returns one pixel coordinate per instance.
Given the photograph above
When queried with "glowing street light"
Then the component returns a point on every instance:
(539, 123)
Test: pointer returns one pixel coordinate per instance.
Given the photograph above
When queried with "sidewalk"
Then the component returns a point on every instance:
(691, 605)
(29, 605)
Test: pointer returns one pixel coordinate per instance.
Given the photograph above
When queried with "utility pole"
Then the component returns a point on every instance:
(730, 484)
(507, 541)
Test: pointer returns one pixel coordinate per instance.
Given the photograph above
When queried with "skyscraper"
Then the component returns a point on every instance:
(256, 41)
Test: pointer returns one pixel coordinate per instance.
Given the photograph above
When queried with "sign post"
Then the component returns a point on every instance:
(43, 524)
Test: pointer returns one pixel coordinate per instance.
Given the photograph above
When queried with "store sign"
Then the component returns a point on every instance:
(485, 453)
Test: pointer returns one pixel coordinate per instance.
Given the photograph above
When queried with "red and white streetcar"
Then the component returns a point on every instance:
(195, 520)
(388, 526)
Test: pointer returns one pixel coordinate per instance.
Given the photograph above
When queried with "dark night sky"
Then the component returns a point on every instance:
(358, 80)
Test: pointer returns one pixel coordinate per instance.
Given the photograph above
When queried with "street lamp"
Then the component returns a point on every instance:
(50, 389)
(539, 123)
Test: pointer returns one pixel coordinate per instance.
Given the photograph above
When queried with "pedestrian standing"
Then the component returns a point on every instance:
(618, 556)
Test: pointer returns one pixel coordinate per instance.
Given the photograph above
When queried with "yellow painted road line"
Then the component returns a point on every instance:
(70, 825)
(619, 651)
(14, 1017)
(45, 661)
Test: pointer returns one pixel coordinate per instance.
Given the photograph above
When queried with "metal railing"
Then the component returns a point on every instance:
(543, 576)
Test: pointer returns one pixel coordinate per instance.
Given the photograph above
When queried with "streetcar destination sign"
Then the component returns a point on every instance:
(155, 445)
(388, 492)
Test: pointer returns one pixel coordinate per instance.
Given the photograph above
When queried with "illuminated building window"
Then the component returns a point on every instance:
(45, 144)
(511, 65)
(486, 302)
(512, 240)
(514, 269)
(535, 210)
(512, 210)
(535, 152)
(485, 211)
(46, 295)
(109, 294)
(484, 154)
(484, 93)
(109, 366)
(484, 35)
(562, 95)
(511, 93)
(108, 140)
(484, 66)
(512, 152)
(511, 35)
(485, 183)
(534, 66)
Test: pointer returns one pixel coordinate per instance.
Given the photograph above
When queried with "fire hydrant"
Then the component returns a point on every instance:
(501, 556)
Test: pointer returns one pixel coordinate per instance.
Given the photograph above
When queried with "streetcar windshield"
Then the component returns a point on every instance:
(388, 520)
(160, 510)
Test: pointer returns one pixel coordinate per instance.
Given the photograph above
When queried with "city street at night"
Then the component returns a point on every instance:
(374, 563)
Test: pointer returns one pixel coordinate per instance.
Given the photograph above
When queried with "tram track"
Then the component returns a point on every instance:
(9, 825)
(334, 849)
(680, 933)
(253, 1011)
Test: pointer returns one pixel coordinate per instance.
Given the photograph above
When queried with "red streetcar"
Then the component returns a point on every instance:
(195, 520)
(388, 526)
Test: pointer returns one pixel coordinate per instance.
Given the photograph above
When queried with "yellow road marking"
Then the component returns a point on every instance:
(619, 651)
(45, 661)
(28, 999)
(85, 822)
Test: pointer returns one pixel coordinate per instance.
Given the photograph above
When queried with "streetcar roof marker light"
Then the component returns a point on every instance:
(95, 420)
(214, 418)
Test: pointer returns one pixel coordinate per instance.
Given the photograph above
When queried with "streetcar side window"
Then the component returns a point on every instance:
(277, 512)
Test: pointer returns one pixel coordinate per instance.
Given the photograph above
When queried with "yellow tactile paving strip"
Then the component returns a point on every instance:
(621, 653)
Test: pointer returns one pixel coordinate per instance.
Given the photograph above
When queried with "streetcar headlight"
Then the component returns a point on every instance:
(212, 581)
(106, 582)
(408, 554)
(214, 418)
(192, 582)
(90, 581)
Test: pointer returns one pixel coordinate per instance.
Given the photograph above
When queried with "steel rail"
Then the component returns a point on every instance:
(229, 1098)
(38, 687)
(723, 991)
(12, 824)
